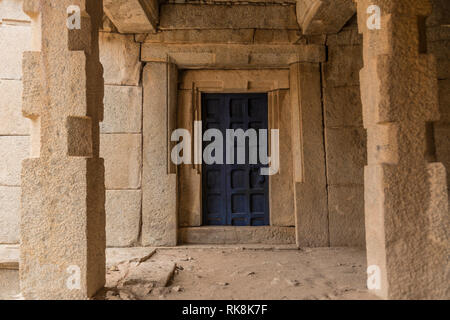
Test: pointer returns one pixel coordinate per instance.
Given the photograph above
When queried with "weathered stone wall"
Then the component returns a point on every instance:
(345, 137)
(121, 137)
(438, 40)
(15, 37)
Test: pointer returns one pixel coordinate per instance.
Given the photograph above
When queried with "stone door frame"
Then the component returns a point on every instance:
(274, 82)
(210, 68)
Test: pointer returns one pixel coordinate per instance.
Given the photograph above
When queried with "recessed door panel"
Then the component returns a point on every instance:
(235, 194)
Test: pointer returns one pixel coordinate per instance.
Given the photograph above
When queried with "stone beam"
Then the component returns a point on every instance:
(324, 16)
(231, 55)
(406, 201)
(133, 16)
(225, 16)
(62, 253)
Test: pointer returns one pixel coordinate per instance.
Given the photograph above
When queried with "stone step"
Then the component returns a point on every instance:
(9, 272)
(220, 235)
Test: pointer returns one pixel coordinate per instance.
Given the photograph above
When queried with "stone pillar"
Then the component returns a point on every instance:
(311, 211)
(159, 179)
(63, 215)
(406, 203)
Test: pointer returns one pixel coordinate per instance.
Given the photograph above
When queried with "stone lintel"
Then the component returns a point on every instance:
(232, 56)
(226, 16)
(235, 80)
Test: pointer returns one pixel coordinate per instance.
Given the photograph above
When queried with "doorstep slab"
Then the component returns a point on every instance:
(237, 235)
(9, 272)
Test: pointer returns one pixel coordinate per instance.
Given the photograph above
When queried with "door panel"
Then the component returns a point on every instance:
(235, 194)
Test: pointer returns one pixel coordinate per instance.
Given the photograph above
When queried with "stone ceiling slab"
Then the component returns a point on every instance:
(133, 16)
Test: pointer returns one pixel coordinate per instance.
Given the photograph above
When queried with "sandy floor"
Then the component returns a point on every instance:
(236, 273)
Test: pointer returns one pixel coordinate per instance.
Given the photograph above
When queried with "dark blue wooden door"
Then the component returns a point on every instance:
(235, 194)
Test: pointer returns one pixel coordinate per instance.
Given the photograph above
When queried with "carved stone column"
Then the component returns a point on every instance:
(63, 215)
(406, 202)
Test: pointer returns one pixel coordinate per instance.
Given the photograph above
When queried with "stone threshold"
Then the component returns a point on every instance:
(232, 235)
(9, 257)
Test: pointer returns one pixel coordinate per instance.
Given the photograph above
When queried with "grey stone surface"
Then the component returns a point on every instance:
(123, 217)
(346, 155)
(123, 159)
(13, 149)
(342, 106)
(14, 40)
(346, 215)
(119, 55)
(123, 110)
(9, 284)
(159, 204)
(343, 66)
(9, 214)
(311, 197)
(11, 120)
(11, 11)
(281, 185)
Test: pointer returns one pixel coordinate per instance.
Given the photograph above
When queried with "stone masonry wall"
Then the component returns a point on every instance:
(438, 41)
(345, 137)
(15, 37)
(121, 137)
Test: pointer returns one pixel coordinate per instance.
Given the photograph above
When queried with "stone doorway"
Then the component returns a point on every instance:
(273, 84)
